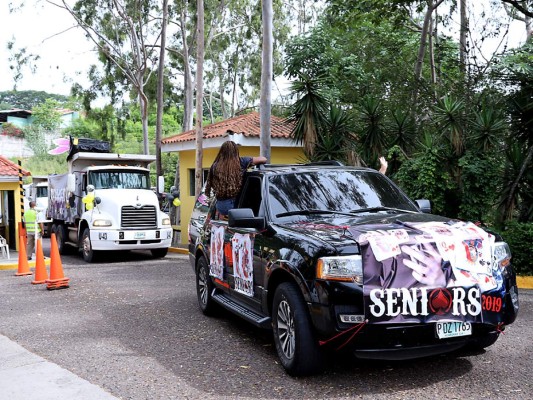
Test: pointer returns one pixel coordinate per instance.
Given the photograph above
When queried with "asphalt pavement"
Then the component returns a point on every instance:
(25, 375)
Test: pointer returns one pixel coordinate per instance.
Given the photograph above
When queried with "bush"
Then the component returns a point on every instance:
(519, 236)
(8, 129)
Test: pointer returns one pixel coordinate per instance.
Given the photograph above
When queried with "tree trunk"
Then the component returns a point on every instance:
(462, 37)
(266, 80)
(160, 89)
(199, 97)
(509, 203)
(187, 76)
(221, 89)
(143, 103)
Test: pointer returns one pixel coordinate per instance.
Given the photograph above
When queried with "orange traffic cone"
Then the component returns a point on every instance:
(57, 279)
(23, 267)
(40, 269)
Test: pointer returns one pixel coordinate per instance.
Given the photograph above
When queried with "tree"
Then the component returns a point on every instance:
(160, 91)
(125, 34)
(266, 79)
(199, 97)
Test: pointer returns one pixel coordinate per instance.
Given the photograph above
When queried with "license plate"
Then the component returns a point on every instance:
(140, 235)
(453, 329)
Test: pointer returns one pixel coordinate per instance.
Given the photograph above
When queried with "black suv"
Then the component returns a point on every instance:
(332, 257)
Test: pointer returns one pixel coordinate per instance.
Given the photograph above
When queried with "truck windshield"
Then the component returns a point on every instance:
(42, 191)
(119, 179)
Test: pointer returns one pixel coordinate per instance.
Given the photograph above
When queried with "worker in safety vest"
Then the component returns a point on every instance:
(34, 228)
(88, 199)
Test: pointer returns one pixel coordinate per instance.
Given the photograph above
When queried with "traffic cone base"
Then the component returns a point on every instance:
(52, 284)
(40, 269)
(57, 280)
(23, 266)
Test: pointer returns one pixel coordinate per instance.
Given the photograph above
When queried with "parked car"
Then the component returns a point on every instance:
(335, 258)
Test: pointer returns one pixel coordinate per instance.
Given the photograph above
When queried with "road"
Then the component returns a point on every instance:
(131, 325)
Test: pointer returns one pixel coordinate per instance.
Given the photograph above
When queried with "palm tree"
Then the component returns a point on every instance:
(308, 112)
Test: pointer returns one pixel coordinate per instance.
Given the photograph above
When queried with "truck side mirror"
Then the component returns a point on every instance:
(71, 183)
(160, 184)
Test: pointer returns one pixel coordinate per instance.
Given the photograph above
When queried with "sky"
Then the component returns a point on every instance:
(48, 31)
(66, 54)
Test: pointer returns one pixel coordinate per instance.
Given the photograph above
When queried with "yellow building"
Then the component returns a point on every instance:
(243, 130)
(11, 200)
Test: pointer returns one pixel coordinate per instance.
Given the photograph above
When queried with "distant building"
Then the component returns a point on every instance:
(23, 118)
(11, 200)
(12, 146)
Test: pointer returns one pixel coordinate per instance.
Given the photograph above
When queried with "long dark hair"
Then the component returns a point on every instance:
(227, 171)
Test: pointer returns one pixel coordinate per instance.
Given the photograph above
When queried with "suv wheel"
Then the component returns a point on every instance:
(296, 345)
(204, 288)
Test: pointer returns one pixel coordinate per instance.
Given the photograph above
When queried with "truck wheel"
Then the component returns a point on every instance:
(204, 288)
(61, 238)
(89, 255)
(296, 344)
(159, 253)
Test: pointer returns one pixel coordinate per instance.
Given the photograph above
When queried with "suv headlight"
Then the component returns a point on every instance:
(501, 254)
(341, 268)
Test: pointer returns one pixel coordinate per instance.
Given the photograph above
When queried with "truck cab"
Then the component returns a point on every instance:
(121, 212)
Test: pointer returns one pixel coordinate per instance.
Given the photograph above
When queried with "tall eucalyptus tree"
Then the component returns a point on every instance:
(126, 36)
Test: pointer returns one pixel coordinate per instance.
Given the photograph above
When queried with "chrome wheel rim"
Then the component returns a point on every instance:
(286, 334)
(86, 245)
(202, 285)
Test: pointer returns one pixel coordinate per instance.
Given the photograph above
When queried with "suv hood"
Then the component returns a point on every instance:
(335, 232)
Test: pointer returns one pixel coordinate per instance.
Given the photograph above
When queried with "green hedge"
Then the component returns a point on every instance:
(519, 236)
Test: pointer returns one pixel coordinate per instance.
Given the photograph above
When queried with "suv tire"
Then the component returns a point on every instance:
(295, 342)
(204, 288)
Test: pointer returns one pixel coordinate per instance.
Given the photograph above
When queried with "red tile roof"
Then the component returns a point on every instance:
(247, 125)
(9, 168)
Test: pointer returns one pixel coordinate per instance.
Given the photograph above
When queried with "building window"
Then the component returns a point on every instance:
(192, 181)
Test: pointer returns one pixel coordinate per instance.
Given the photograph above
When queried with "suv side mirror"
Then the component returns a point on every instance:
(244, 218)
(424, 205)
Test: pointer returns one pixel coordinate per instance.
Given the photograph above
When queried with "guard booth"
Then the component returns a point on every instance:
(11, 200)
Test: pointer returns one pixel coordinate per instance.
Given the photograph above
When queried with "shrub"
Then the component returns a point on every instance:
(519, 236)
(8, 129)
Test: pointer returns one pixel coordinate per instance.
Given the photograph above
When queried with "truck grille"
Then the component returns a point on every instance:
(144, 217)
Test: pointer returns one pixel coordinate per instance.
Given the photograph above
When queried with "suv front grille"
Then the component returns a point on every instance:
(144, 217)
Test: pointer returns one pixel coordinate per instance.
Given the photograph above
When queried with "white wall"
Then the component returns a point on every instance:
(14, 147)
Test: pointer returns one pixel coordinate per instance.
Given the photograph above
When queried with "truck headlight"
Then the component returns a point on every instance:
(102, 222)
(341, 268)
(166, 221)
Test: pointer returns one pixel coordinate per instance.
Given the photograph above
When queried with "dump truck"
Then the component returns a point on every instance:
(105, 203)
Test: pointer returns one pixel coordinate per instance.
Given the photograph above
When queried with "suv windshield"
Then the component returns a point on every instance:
(119, 179)
(340, 191)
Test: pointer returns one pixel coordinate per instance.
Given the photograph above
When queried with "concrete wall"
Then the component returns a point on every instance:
(14, 147)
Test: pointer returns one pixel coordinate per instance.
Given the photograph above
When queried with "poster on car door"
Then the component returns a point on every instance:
(216, 254)
(430, 271)
(242, 250)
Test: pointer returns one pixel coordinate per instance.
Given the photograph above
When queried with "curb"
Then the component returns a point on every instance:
(31, 264)
(179, 250)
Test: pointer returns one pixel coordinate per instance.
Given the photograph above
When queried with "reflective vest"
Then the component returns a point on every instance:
(30, 218)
